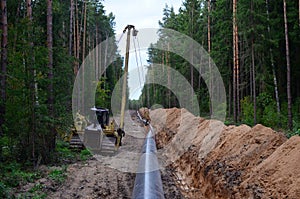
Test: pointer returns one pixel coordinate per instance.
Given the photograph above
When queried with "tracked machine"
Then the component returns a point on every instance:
(74, 134)
(102, 136)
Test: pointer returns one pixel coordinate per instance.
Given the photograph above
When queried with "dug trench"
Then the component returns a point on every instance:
(200, 159)
(216, 161)
(98, 178)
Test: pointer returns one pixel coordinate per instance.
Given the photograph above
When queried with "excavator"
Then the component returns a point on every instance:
(75, 132)
(99, 134)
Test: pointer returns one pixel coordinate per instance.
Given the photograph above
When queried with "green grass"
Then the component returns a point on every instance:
(14, 174)
(58, 175)
(85, 154)
(4, 191)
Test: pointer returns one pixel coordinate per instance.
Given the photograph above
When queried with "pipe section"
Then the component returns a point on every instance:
(148, 184)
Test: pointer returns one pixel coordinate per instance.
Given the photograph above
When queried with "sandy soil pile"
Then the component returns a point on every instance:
(221, 161)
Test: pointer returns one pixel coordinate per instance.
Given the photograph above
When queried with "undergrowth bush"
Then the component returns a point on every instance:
(266, 112)
(247, 111)
(58, 175)
(85, 154)
(14, 175)
(4, 191)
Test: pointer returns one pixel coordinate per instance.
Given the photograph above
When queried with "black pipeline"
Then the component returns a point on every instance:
(148, 184)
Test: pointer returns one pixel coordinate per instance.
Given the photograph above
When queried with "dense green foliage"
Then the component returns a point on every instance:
(15, 175)
(25, 136)
(27, 132)
(268, 48)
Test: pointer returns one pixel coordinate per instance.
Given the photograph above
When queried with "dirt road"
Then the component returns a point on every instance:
(112, 176)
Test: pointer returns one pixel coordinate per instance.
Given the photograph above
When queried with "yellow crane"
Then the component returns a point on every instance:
(101, 137)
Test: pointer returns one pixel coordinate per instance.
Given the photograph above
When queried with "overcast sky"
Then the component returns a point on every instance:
(141, 14)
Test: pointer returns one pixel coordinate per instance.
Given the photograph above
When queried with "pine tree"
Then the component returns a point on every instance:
(288, 67)
(4, 43)
(50, 102)
(272, 61)
(236, 91)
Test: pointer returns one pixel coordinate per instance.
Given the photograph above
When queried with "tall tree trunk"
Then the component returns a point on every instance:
(71, 26)
(208, 26)
(14, 43)
(100, 62)
(272, 62)
(288, 68)
(253, 80)
(32, 83)
(83, 50)
(84, 31)
(237, 72)
(163, 64)
(81, 27)
(200, 80)
(50, 74)
(235, 64)
(105, 55)
(253, 67)
(75, 38)
(192, 52)
(77, 35)
(209, 50)
(4, 42)
(97, 54)
(169, 75)
(76, 48)
(148, 89)
(229, 95)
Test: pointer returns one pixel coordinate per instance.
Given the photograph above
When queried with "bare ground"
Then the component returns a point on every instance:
(107, 177)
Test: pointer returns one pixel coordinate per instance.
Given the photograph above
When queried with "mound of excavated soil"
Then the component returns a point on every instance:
(221, 161)
(279, 175)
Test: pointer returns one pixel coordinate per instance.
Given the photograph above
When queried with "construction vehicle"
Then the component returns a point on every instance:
(102, 136)
(74, 133)
(99, 134)
(109, 128)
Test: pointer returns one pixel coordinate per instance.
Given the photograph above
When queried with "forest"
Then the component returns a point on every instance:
(43, 43)
(254, 43)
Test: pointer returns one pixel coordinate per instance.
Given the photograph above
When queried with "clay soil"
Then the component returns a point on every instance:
(218, 161)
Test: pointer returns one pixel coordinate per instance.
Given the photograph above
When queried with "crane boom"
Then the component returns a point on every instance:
(124, 89)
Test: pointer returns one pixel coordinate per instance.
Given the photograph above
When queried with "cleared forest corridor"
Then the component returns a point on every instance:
(67, 68)
(99, 178)
(198, 161)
